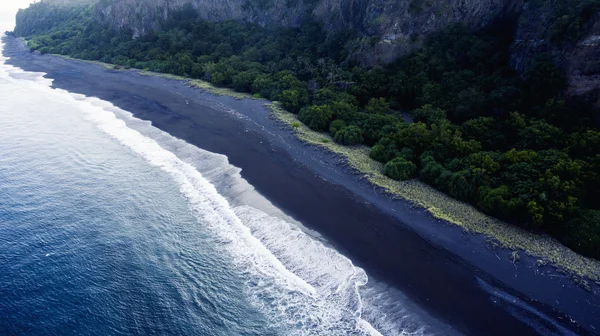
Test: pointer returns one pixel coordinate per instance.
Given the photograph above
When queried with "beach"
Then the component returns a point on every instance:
(456, 276)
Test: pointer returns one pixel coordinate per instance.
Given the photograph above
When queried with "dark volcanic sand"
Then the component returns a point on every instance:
(434, 263)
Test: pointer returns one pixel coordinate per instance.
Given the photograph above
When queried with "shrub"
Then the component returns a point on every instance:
(316, 117)
(243, 81)
(400, 169)
(384, 151)
(407, 153)
(582, 233)
(429, 114)
(349, 135)
(378, 106)
(336, 126)
(293, 99)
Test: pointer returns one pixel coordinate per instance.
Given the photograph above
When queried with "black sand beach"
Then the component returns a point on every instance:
(436, 264)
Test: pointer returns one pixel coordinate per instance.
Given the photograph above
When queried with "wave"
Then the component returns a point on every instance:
(307, 302)
(302, 285)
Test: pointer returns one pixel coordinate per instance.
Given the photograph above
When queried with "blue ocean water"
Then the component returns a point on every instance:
(109, 226)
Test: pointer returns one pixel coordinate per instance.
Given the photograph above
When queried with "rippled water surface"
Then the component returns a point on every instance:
(110, 226)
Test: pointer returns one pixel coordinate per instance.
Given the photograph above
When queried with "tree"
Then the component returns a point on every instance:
(447, 142)
(263, 85)
(585, 143)
(329, 96)
(336, 126)
(485, 131)
(400, 169)
(536, 214)
(384, 151)
(432, 170)
(378, 106)
(349, 135)
(545, 79)
(294, 99)
(344, 110)
(459, 185)
(540, 135)
(498, 201)
(376, 126)
(288, 81)
(184, 64)
(470, 102)
(582, 233)
(415, 136)
(243, 81)
(429, 114)
(317, 117)
(432, 94)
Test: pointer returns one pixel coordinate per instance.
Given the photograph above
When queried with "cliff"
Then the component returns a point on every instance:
(570, 32)
(70, 2)
(388, 29)
(399, 26)
(142, 16)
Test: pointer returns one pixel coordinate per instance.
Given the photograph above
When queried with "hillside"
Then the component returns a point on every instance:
(387, 29)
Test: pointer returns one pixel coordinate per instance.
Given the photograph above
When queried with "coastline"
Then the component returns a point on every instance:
(443, 207)
(546, 250)
(472, 255)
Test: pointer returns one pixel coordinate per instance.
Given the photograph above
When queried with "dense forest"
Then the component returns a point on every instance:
(510, 144)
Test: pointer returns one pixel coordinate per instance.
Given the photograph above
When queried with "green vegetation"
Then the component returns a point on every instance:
(349, 135)
(569, 20)
(443, 207)
(400, 169)
(511, 145)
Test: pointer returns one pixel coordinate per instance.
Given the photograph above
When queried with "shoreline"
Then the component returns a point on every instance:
(472, 255)
(545, 249)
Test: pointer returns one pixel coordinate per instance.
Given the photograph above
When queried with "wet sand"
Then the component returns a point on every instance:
(451, 274)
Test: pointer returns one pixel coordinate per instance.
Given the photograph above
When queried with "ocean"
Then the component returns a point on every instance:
(110, 226)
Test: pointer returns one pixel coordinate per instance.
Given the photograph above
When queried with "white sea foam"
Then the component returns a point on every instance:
(319, 301)
(301, 284)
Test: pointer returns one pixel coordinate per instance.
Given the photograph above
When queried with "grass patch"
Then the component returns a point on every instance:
(162, 75)
(443, 207)
(208, 87)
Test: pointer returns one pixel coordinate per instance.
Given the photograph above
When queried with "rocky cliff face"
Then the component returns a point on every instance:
(583, 68)
(141, 16)
(388, 29)
(400, 26)
(578, 55)
(69, 2)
